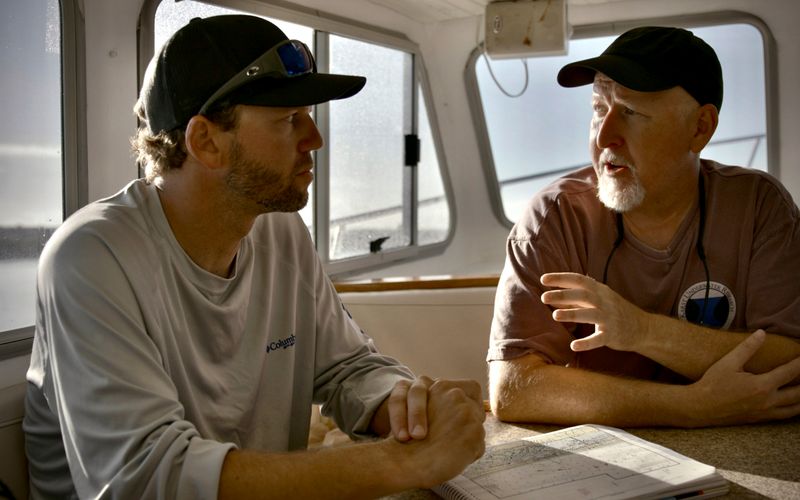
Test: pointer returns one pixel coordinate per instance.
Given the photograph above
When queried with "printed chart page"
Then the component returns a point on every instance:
(583, 462)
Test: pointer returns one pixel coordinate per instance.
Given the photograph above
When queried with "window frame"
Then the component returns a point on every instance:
(325, 23)
(18, 342)
(690, 21)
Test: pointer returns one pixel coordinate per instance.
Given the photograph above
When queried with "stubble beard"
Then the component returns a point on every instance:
(250, 179)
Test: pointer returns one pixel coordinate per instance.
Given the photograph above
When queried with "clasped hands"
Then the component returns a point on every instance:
(437, 424)
(413, 404)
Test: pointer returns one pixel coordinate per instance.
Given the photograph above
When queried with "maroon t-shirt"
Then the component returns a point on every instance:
(752, 246)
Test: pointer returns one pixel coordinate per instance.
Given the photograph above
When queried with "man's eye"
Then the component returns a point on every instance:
(628, 111)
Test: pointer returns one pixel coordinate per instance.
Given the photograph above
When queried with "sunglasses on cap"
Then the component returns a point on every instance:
(288, 59)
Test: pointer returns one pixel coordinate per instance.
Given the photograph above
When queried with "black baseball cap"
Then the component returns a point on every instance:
(209, 53)
(654, 58)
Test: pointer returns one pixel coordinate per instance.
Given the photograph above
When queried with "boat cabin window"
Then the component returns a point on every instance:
(31, 157)
(371, 203)
(531, 133)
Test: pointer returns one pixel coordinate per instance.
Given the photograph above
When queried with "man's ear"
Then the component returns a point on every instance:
(707, 118)
(206, 142)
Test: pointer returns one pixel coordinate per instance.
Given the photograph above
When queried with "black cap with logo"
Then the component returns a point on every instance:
(654, 58)
(233, 59)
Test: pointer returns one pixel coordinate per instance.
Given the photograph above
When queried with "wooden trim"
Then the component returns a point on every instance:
(416, 283)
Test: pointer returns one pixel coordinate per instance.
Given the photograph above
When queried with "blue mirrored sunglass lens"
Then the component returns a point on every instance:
(295, 59)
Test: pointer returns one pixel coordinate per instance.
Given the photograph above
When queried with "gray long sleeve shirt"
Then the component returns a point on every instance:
(146, 369)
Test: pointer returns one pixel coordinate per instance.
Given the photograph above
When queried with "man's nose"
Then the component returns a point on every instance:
(609, 134)
(312, 139)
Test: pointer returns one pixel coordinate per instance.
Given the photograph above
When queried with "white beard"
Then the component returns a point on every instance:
(620, 195)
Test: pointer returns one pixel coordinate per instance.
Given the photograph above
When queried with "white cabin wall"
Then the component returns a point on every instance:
(111, 91)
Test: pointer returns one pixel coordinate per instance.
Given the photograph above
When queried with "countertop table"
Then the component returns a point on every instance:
(759, 460)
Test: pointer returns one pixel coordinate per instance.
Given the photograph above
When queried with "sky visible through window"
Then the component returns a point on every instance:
(31, 197)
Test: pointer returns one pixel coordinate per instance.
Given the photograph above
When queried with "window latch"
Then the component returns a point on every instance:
(412, 148)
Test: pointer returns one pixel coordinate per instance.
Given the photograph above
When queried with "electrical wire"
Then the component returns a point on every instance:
(496, 82)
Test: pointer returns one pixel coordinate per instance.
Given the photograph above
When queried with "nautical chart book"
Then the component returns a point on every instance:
(583, 462)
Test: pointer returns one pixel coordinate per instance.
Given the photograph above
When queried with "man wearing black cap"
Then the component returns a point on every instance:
(185, 325)
(652, 288)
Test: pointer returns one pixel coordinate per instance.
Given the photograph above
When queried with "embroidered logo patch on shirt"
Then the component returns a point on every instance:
(281, 344)
(717, 313)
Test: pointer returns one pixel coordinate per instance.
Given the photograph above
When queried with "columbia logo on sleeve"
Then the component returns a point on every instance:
(281, 344)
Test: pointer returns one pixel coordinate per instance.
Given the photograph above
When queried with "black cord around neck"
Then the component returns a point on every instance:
(701, 253)
(617, 243)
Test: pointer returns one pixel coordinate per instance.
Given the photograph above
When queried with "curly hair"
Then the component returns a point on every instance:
(166, 150)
